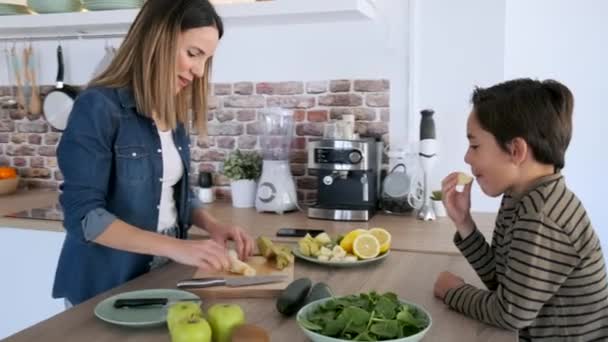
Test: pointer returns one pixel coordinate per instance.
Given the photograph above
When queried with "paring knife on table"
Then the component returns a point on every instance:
(230, 282)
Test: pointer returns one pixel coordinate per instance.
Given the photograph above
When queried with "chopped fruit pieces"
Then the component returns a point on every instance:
(464, 179)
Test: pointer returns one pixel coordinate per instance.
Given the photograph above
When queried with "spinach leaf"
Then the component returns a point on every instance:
(388, 329)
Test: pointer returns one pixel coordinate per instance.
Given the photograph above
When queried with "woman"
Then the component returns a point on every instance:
(125, 157)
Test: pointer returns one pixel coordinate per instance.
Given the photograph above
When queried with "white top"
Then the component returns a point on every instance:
(173, 170)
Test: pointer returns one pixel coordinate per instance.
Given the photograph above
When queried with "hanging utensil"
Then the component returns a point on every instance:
(30, 76)
(8, 99)
(59, 101)
(18, 81)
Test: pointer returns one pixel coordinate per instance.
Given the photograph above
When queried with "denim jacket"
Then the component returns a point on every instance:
(111, 160)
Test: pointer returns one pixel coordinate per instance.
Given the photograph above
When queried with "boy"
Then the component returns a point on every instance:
(545, 270)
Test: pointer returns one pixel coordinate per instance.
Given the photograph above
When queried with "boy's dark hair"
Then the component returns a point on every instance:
(539, 112)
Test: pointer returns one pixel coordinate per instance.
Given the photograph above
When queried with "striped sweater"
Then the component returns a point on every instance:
(544, 271)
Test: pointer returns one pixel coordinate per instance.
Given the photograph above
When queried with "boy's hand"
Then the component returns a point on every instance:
(458, 204)
(446, 281)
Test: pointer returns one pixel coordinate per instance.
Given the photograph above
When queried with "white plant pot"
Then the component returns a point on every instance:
(439, 209)
(243, 193)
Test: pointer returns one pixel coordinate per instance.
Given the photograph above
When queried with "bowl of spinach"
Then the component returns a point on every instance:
(364, 317)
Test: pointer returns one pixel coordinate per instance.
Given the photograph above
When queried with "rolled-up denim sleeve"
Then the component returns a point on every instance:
(96, 222)
(85, 157)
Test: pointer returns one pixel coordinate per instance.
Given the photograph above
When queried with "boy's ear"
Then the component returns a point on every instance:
(518, 150)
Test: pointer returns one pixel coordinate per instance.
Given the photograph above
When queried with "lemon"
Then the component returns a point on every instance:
(348, 239)
(383, 237)
(366, 246)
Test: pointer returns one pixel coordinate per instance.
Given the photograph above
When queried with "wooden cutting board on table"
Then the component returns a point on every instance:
(262, 267)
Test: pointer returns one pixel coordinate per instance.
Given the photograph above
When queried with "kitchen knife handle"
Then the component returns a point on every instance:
(136, 302)
(200, 282)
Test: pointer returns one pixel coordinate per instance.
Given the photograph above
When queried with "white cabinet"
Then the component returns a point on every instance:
(241, 14)
(28, 259)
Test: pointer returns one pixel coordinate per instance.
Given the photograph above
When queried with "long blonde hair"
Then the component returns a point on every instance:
(147, 57)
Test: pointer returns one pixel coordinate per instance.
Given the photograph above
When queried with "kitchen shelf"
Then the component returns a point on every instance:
(116, 22)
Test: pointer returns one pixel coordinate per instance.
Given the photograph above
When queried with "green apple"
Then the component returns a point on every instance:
(223, 319)
(182, 310)
(192, 329)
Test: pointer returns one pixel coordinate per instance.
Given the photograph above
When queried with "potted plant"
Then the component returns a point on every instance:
(437, 202)
(243, 169)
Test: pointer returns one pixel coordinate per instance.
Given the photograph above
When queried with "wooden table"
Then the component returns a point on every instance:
(408, 233)
(410, 275)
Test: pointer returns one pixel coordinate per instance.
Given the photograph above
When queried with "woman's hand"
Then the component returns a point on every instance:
(205, 254)
(222, 233)
(446, 281)
(458, 204)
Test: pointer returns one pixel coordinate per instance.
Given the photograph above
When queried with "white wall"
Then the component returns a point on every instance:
(456, 45)
(566, 40)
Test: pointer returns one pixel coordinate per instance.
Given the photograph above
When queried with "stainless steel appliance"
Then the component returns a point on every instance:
(348, 178)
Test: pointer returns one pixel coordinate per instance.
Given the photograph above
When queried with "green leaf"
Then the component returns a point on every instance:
(243, 165)
(388, 329)
(364, 337)
(386, 307)
(310, 325)
(333, 327)
(355, 315)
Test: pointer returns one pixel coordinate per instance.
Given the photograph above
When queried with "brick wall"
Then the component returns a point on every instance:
(28, 143)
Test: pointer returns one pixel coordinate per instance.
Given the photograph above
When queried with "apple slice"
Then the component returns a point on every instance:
(464, 179)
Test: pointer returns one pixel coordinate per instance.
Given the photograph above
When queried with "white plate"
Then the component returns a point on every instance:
(139, 317)
(380, 257)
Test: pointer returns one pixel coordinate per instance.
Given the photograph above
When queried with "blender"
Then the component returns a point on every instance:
(276, 189)
(428, 158)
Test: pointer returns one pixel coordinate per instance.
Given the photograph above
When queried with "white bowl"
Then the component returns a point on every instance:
(316, 337)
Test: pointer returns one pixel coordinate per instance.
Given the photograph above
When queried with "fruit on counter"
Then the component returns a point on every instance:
(224, 318)
(293, 297)
(323, 239)
(464, 179)
(383, 237)
(181, 311)
(265, 246)
(192, 329)
(238, 266)
(366, 246)
(281, 255)
(333, 252)
(250, 333)
(7, 172)
(347, 241)
(318, 291)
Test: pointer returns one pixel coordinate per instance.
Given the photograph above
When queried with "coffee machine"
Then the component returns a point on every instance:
(348, 178)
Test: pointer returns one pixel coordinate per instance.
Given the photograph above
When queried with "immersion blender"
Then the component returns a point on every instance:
(428, 158)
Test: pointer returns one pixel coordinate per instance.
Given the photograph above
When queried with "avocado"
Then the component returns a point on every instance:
(319, 291)
(293, 297)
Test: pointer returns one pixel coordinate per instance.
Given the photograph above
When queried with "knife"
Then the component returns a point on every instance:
(143, 302)
(230, 282)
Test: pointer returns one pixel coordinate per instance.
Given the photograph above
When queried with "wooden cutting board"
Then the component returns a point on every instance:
(262, 267)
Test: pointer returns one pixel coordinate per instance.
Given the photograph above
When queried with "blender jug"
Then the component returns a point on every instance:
(276, 189)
